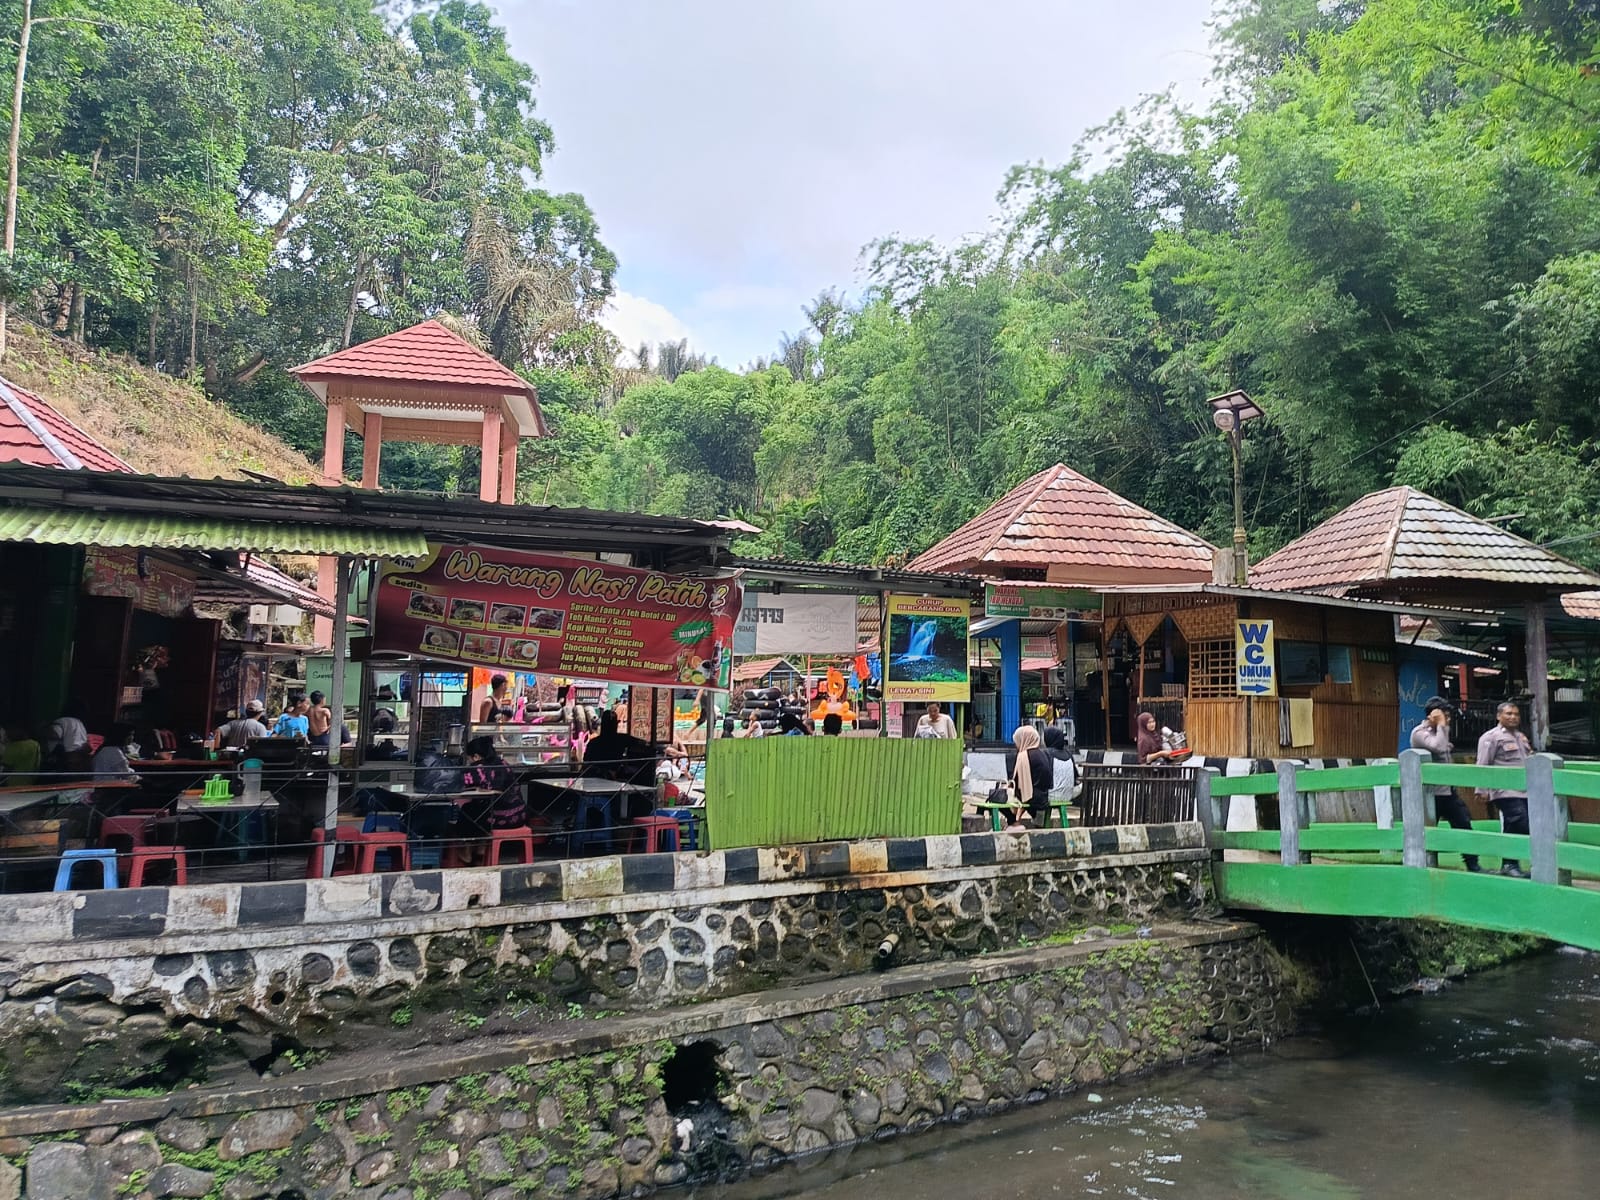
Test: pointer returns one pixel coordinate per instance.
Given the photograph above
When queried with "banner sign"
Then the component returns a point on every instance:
(153, 586)
(1036, 603)
(560, 616)
(796, 623)
(928, 652)
(1255, 659)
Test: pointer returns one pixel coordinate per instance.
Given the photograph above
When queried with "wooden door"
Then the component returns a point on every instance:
(188, 683)
(100, 658)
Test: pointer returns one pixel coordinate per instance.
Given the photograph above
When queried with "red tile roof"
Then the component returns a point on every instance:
(1585, 605)
(425, 353)
(1403, 534)
(32, 432)
(1068, 524)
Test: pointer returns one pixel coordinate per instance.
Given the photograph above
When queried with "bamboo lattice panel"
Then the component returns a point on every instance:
(1211, 669)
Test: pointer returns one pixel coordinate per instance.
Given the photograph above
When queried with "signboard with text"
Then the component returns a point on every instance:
(560, 616)
(796, 623)
(1038, 603)
(1255, 659)
(928, 652)
(152, 585)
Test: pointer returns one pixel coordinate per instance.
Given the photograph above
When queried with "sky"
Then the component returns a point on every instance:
(739, 154)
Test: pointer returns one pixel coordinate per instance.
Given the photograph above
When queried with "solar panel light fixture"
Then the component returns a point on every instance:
(1229, 412)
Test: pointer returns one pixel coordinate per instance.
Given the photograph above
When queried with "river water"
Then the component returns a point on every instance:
(1488, 1089)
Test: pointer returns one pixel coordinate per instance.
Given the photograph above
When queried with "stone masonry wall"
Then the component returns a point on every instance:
(581, 1111)
(163, 987)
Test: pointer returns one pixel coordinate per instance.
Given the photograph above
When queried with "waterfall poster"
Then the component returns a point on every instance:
(927, 652)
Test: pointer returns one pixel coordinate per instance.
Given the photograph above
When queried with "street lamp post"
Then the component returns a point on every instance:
(1229, 412)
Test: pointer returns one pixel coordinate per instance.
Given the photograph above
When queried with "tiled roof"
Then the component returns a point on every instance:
(759, 668)
(32, 432)
(1585, 605)
(425, 353)
(1401, 533)
(1061, 518)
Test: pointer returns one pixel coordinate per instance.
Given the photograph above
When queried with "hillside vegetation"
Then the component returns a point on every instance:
(157, 424)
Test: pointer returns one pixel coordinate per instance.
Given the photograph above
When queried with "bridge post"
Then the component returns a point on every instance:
(1208, 810)
(1289, 817)
(1547, 820)
(1414, 812)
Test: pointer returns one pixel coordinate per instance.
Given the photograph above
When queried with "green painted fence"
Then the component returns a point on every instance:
(1406, 868)
(775, 791)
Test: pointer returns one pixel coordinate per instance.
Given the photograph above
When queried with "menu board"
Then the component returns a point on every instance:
(562, 616)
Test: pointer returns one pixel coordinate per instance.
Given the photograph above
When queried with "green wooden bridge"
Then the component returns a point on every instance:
(1411, 868)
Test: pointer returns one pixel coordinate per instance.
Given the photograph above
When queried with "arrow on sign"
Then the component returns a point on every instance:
(1257, 688)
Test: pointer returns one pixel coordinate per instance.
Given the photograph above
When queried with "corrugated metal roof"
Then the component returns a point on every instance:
(33, 432)
(163, 532)
(1402, 534)
(1059, 518)
(425, 353)
(259, 580)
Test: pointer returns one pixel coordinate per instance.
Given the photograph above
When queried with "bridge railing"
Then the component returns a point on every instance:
(1554, 847)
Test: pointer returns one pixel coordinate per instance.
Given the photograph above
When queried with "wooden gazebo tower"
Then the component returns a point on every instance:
(422, 384)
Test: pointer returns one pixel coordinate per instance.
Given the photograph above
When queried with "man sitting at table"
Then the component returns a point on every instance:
(612, 754)
(236, 734)
(294, 723)
(20, 762)
(500, 806)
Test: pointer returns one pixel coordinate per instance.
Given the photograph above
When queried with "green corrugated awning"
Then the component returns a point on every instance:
(164, 532)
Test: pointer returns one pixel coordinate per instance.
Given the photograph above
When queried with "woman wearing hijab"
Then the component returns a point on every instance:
(1149, 739)
(1032, 772)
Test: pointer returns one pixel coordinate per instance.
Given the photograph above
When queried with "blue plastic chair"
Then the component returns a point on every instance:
(688, 820)
(585, 834)
(382, 822)
(70, 858)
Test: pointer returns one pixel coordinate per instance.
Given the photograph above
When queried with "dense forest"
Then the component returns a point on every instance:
(1384, 228)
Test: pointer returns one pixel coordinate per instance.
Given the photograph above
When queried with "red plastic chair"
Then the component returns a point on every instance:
(147, 856)
(134, 828)
(657, 833)
(520, 836)
(344, 855)
(370, 845)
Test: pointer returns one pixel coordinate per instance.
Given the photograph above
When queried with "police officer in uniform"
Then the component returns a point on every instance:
(1507, 746)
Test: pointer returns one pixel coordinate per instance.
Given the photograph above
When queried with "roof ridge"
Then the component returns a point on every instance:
(1045, 477)
(1135, 505)
(1392, 540)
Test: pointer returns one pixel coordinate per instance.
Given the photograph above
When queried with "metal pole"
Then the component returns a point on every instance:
(1241, 573)
(341, 650)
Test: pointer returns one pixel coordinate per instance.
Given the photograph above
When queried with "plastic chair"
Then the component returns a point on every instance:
(344, 854)
(657, 832)
(520, 836)
(689, 821)
(71, 858)
(382, 822)
(586, 832)
(997, 813)
(131, 827)
(370, 845)
(145, 857)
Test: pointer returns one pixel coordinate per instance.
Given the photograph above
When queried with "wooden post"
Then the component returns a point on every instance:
(1414, 811)
(489, 468)
(1289, 822)
(508, 463)
(883, 664)
(1547, 819)
(371, 448)
(341, 648)
(333, 444)
(1538, 654)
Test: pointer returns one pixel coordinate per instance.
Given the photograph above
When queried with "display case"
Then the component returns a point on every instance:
(528, 745)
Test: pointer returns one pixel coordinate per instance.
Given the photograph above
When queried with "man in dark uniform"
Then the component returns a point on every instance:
(1507, 746)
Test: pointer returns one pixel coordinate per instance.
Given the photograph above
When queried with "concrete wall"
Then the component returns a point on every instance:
(580, 1110)
(158, 987)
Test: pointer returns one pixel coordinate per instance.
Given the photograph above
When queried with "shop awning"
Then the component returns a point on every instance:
(256, 581)
(151, 531)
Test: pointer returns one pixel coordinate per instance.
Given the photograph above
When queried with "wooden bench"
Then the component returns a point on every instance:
(1138, 795)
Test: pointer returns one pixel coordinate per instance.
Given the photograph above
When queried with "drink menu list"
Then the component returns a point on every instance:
(562, 616)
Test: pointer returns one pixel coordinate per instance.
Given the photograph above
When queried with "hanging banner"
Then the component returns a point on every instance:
(1255, 659)
(152, 585)
(796, 623)
(560, 616)
(1039, 602)
(928, 653)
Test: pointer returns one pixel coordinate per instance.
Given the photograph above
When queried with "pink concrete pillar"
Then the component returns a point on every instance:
(508, 463)
(489, 474)
(371, 448)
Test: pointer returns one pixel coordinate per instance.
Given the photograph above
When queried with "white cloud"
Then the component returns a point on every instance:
(635, 319)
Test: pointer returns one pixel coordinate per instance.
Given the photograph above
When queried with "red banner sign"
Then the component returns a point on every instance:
(153, 586)
(560, 616)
